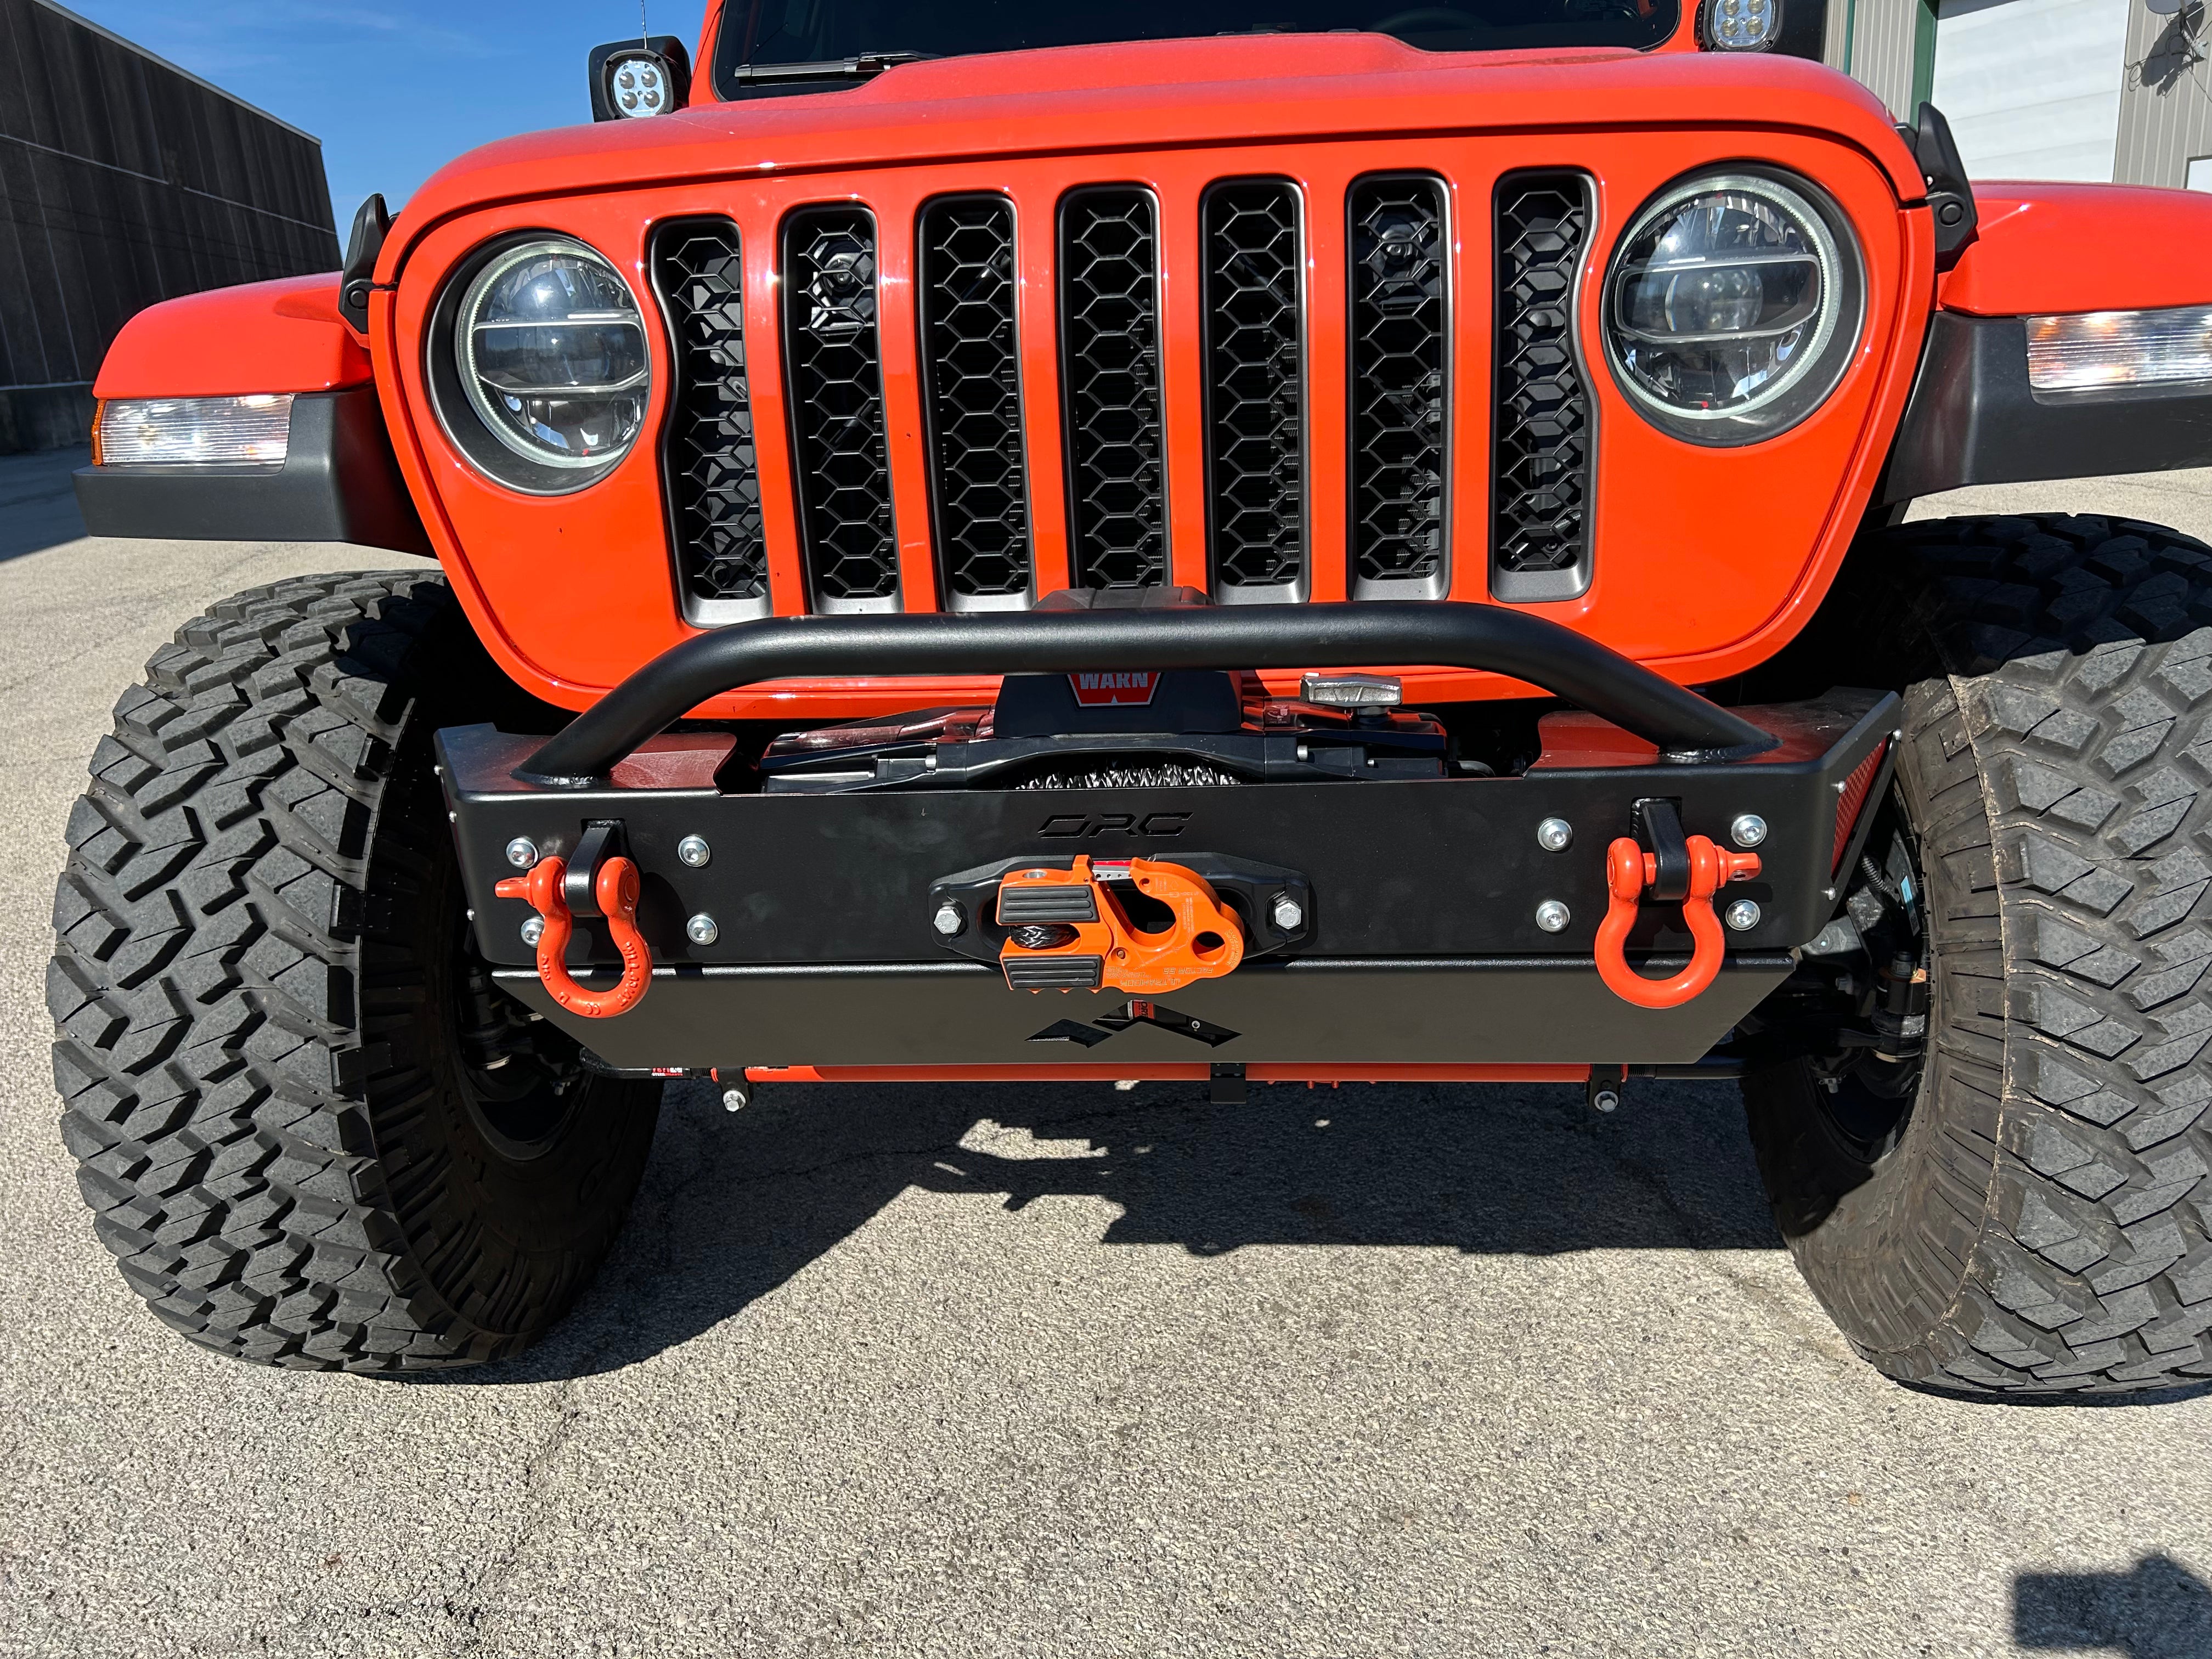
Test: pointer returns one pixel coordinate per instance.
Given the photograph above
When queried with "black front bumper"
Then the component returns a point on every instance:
(1422, 945)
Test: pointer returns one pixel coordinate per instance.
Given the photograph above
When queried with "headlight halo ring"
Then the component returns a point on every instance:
(1817, 363)
(497, 444)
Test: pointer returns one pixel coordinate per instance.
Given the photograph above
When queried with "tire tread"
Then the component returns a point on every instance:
(209, 1054)
(2071, 1250)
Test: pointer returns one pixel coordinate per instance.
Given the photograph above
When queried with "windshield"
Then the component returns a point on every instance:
(828, 31)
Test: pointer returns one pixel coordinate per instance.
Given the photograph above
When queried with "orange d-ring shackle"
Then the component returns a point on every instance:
(1628, 870)
(616, 888)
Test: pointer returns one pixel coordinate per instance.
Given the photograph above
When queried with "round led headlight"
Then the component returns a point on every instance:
(546, 344)
(1734, 306)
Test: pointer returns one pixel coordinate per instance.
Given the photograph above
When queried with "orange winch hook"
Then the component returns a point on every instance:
(1203, 940)
(616, 888)
(1629, 870)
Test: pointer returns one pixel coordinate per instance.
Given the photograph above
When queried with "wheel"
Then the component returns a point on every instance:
(308, 1126)
(2006, 1193)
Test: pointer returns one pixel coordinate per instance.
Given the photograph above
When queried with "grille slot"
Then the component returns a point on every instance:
(1256, 388)
(1541, 531)
(1110, 376)
(708, 461)
(834, 368)
(971, 388)
(1398, 328)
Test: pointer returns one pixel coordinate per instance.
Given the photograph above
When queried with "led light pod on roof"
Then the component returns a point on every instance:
(1741, 25)
(640, 86)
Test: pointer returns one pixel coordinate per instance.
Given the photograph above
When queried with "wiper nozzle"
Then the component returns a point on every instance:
(864, 67)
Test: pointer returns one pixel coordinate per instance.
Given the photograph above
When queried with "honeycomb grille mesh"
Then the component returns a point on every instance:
(706, 455)
(835, 369)
(1399, 390)
(1111, 372)
(972, 385)
(1255, 384)
(1543, 459)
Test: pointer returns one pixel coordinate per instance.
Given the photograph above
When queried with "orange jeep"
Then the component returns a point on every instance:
(1218, 542)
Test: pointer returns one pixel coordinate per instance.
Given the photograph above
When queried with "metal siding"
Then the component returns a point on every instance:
(125, 181)
(1882, 49)
(2032, 87)
(1836, 37)
(2165, 102)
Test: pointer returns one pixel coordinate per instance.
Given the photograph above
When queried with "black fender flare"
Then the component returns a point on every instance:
(1973, 418)
(339, 482)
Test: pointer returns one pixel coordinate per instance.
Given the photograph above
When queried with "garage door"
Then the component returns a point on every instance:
(2032, 87)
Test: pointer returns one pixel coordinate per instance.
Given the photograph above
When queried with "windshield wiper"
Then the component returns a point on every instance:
(866, 66)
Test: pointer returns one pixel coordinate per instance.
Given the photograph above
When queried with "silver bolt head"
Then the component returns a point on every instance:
(949, 919)
(1749, 830)
(1742, 915)
(694, 851)
(522, 852)
(1606, 1100)
(1552, 916)
(702, 930)
(736, 1098)
(1555, 834)
(532, 931)
(1290, 916)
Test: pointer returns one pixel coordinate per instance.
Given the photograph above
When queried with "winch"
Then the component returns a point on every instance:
(1127, 729)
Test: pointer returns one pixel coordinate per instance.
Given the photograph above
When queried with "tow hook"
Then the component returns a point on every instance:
(602, 882)
(1072, 932)
(1690, 869)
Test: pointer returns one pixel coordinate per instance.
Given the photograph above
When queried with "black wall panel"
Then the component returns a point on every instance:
(122, 181)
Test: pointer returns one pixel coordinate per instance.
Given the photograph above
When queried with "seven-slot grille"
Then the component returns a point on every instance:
(1400, 399)
(1109, 372)
(1539, 541)
(709, 472)
(1256, 387)
(972, 399)
(834, 361)
(1100, 307)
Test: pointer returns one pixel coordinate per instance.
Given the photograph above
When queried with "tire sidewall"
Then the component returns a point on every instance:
(504, 1241)
(1859, 1227)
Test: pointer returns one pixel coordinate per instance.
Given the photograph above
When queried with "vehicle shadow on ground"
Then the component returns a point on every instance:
(2158, 1609)
(735, 1205)
(37, 501)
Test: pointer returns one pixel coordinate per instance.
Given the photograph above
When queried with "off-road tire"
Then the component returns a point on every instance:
(258, 933)
(2042, 1224)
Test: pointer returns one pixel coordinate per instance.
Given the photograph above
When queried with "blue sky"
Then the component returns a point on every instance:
(394, 88)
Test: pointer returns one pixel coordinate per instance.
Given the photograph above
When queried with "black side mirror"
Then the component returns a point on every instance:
(630, 78)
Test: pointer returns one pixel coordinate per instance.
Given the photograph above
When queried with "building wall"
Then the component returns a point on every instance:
(122, 181)
(1881, 34)
(2165, 100)
(1836, 40)
(2032, 87)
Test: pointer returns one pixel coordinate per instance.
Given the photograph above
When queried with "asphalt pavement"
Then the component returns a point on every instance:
(1062, 1372)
